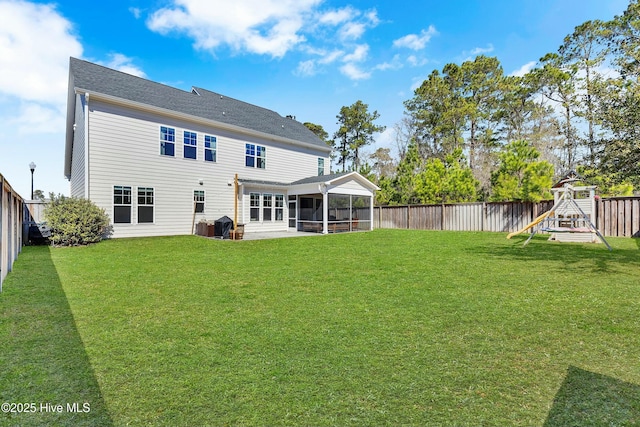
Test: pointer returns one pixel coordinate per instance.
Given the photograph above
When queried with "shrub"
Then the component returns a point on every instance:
(74, 221)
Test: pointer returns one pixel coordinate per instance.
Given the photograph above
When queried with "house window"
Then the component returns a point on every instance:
(267, 204)
(255, 156)
(190, 145)
(254, 206)
(261, 157)
(145, 205)
(320, 166)
(167, 141)
(121, 204)
(279, 207)
(198, 199)
(210, 148)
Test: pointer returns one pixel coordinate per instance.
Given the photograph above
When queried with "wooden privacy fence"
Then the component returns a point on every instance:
(619, 216)
(11, 205)
(615, 217)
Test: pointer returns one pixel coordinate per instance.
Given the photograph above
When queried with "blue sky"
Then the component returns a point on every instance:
(307, 58)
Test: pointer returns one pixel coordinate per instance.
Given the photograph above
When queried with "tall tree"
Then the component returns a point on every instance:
(356, 130)
(584, 51)
(557, 83)
(482, 78)
(438, 113)
(382, 163)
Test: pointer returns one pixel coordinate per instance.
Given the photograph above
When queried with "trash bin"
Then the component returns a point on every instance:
(222, 227)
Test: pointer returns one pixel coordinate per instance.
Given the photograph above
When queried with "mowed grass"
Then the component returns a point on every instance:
(391, 327)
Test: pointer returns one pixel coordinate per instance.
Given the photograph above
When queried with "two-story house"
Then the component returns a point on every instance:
(159, 159)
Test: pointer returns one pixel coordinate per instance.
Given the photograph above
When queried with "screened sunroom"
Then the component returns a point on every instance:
(332, 204)
(320, 204)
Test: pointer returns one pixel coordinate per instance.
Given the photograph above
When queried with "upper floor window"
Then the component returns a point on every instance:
(190, 145)
(255, 156)
(320, 166)
(210, 148)
(198, 200)
(121, 204)
(145, 204)
(167, 141)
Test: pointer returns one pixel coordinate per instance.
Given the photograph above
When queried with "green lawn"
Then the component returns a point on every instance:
(391, 327)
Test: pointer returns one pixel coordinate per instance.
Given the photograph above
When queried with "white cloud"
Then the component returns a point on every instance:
(271, 27)
(35, 45)
(123, 63)
(415, 41)
(395, 64)
(414, 61)
(352, 31)
(359, 54)
(338, 16)
(352, 71)
(306, 68)
(331, 57)
(136, 12)
(482, 50)
(524, 69)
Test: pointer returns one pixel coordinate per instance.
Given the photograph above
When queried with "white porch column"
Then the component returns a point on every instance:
(371, 214)
(325, 209)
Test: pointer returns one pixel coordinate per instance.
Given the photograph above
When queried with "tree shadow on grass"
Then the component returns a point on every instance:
(43, 362)
(539, 248)
(589, 399)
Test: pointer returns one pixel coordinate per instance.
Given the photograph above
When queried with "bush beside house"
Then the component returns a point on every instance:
(75, 221)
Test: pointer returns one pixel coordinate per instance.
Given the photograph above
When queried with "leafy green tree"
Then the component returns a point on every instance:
(448, 181)
(521, 176)
(356, 131)
(405, 180)
(387, 194)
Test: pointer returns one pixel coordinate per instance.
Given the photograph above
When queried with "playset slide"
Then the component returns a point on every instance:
(535, 222)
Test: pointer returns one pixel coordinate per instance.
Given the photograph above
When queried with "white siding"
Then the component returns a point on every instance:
(125, 150)
(77, 182)
(350, 186)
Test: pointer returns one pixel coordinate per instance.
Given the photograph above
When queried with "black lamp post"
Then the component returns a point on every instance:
(32, 166)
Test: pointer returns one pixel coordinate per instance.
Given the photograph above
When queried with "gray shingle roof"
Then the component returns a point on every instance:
(320, 178)
(199, 102)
